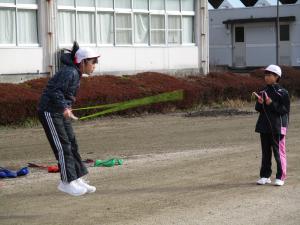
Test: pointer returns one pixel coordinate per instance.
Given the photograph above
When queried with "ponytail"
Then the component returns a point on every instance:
(74, 50)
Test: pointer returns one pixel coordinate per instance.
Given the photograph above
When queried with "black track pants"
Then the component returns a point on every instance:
(276, 144)
(61, 137)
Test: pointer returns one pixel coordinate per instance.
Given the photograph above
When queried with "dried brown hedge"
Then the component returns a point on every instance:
(18, 101)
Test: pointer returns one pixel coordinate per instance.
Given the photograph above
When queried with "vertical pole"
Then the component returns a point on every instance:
(277, 34)
(51, 35)
(202, 36)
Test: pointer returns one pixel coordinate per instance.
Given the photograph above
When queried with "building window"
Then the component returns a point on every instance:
(157, 5)
(284, 32)
(140, 4)
(173, 5)
(105, 4)
(126, 22)
(188, 29)
(18, 23)
(239, 34)
(105, 28)
(123, 4)
(66, 2)
(157, 29)
(174, 29)
(187, 5)
(86, 25)
(123, 29)
(141, 28)
(66, 28)
(85, 3)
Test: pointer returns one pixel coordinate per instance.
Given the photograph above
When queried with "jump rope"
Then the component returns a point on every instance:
(115, 107)
(260, 97)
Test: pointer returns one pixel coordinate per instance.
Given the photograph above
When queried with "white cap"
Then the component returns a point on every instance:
(274, 69)
(85, 53)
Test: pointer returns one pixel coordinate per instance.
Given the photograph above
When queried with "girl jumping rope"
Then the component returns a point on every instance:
(55, 114)
(273, 105)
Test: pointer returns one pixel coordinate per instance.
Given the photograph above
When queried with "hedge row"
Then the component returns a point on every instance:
(18, 102)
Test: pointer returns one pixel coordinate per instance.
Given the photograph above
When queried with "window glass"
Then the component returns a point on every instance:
(173, 5)
(27, 27)
(239, 34)
(7, 26)
(27, 1)
(284, 32)
(157, 22)
(141, 29)
(105, 28)
(157, 4)
(86, 27)
(66, 27)
(187, 29)
(123, 29)
(7, 1)
(140, 4)
(66, 2)
(174, 30)
(123, 4)
(174, 22)
(105, 3)
(157, 29)
(187, 5)
(85, 3)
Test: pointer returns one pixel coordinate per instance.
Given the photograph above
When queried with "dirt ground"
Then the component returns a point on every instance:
(177, 170)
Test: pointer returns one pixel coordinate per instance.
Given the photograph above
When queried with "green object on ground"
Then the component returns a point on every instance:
(110, 108)
(108, 163)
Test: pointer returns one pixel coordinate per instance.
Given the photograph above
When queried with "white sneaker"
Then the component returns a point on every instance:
(81, 182)
(72, 188)
(263, 181)
(279, 182)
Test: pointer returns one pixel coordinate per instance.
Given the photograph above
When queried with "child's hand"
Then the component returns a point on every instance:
(259, 98)
(69, 115)
(268, 99)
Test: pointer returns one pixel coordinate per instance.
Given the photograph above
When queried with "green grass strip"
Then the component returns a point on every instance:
(165, 97)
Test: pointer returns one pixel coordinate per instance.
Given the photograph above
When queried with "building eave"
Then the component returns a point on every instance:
(260, 20)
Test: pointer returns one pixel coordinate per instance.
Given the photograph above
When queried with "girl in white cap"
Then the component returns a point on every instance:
(55, 114)
(273, 105)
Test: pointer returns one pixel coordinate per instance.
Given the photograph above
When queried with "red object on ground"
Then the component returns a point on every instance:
(53, 169)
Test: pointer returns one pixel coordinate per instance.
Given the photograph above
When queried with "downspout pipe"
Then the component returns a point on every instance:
(51, 36)
(202, 36)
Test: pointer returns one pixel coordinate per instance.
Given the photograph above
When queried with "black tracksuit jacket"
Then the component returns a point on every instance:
(273, 118)
(62, 87)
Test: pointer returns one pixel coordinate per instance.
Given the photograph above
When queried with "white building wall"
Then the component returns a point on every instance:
(117, 60)
(24, 63)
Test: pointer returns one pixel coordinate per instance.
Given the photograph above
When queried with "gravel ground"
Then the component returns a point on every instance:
(178, 169)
